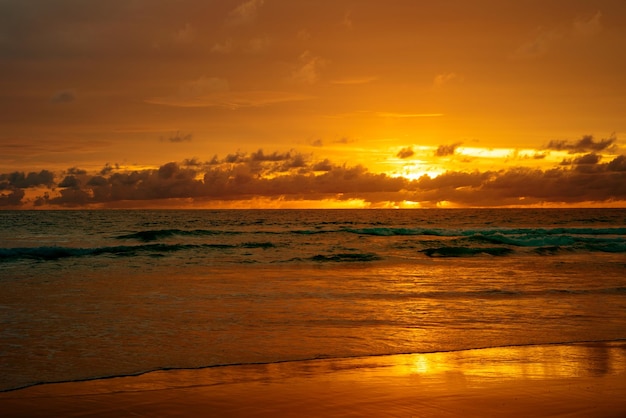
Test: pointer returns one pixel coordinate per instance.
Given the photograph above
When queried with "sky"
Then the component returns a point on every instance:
(312, 103)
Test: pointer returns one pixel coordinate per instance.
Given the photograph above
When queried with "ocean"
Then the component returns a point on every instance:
(93, 294)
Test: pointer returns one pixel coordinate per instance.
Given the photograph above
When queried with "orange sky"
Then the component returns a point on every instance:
(283, 103)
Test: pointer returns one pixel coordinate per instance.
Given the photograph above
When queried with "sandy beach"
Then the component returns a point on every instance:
(574, 380)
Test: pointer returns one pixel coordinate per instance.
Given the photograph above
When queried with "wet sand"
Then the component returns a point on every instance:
(573, 380)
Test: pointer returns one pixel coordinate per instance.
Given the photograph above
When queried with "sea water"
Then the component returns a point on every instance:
(92, 294)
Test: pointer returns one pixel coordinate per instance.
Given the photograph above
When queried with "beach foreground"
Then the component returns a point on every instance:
(571, 380)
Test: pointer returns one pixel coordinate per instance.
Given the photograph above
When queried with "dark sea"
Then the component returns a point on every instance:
(93, 294)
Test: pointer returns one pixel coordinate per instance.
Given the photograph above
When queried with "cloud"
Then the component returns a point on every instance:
(76, 171)
(108, 168)
(294, 176)
(304, 35)
(405, 153)
(186, 34)
(258, 45)
(178, 137)
(407, 115)
(618, 164)
(202, 87)
(308, 69)
(588, 27)
(444, 78)
(22, 181)
(223, 47)
(347, 20)
(63, 96)
(587, 159)
(344, 140)
(12, 199)
(255, 45)
(545, 40)
(354, 80)
(245, 12)
(445, 150)
(585, 144)
(215, 92)
(70, 181)
(324, 165)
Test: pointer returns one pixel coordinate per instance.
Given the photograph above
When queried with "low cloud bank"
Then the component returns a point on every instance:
(296, 176)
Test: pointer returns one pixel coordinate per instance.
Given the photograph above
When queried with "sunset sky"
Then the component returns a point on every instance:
(312, 103)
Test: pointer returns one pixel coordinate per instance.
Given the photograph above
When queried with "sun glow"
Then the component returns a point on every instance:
(411, 172)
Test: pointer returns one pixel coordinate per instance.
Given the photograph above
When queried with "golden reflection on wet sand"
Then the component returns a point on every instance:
(587, 379)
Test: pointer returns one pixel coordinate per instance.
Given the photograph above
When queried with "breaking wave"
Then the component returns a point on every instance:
(346, 257)
(154, 235)
(56, 253)
(466, 251)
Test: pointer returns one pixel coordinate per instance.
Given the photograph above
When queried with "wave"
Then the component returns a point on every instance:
(589, 239)
(466, 251)
(346, 257)
(56, 253)
(156, 234)
(386, 232)
(545, 240)
(442, 232)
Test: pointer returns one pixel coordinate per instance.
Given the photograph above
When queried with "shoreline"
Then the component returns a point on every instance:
(617, 341)
(573, 379)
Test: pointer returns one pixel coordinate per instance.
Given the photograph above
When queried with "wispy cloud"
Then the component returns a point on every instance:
(545, 40)
(347, 21)
(231, 99)
(186, 34)
(408, 115)
(223, 47)
(245, 12)
(354, 80)
(585, 144)
(590, 26)
(178, 137)
(308, 69)
(443, 79)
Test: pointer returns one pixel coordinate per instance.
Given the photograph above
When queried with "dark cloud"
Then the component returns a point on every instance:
(192, 162)
(97, 181)
(591, 158)
(76, 171)
(618, 164)
(276, 156)
(70, 181)
(522, 186)
(405, 153)
(13, 198)
(585, 144)
(294, 176)
(324, 165)
(108, 168)
(585, 162)
(445, 150)
(180, 137)
(21, 180)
